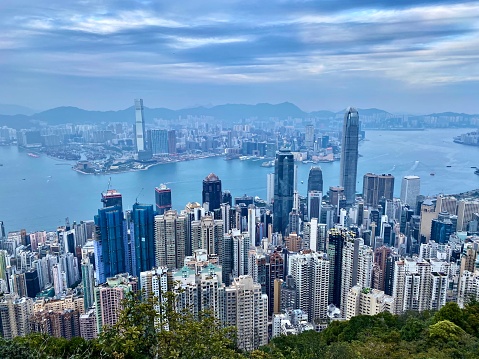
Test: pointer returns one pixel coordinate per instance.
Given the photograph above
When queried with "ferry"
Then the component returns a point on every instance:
(34, 155)
(268, 164)
(476, 172)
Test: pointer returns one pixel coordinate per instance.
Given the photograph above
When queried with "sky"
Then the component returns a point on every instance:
(401, 56)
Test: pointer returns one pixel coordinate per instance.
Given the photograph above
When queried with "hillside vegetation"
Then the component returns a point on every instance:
(450, 333)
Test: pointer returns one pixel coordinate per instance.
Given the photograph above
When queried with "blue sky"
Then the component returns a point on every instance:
(416, 57)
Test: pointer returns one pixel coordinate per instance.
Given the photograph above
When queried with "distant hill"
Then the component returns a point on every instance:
(7, 109)
(226, 112)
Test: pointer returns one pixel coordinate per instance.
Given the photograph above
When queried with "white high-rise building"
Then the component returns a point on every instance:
(199, 286)
(356, 268)
(315, 235)
(14, 315)
(207, 233)
(269, 187)
(154, 283)
(140, 135)
(410, 189)
(246, 308)
(419, 284)
(468, 287)
(170, 239)
(252, 223)
(367, 301)
(310, 271)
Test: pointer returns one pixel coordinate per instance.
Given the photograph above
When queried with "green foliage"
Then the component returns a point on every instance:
(446, 331)
(144, 332)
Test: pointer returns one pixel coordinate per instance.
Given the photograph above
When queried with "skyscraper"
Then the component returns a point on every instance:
(270, 187)
(246, 308)
(212, 193)
(139, 126)
(172, 142)
(315, 179)
(112, 198)
(310, 271)
(349, 154)
(377, 186)
(88, 281)
(143, 251)
(109, 243)
(410, 189)
(170, 239)
(283, 189)
(162, 199)
(159, 142)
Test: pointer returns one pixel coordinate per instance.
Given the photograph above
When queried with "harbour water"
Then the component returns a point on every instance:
(38, 193)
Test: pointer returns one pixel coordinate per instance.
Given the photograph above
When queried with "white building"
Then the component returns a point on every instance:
(410, 189)
(246, 308)
(356, 268)
(140, 136)
(420, 285)
(310, 271)
(367, 301)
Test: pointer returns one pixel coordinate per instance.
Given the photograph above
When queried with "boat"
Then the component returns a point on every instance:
(448, 166)
(268, 164)
(34, 155)
(476, 172)
(432, 173)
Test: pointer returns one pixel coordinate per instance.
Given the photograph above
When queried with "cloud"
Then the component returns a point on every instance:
(416, 43)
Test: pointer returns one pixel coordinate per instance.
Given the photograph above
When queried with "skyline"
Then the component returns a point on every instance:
(418, 57)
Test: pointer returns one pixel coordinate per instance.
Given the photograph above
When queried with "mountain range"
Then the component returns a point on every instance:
(228, 112)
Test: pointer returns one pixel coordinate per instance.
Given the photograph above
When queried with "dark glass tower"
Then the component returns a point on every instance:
(315, 179)
(349, 154)
(143, 251)
(335, 254)
(283, 189)
(162, 199)
(109, 243)
(212, 192)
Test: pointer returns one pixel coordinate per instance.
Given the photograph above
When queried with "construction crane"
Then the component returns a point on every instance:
(136, 199)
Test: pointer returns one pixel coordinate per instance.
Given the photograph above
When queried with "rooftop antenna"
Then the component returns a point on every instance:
(136, 199)
(109, 183)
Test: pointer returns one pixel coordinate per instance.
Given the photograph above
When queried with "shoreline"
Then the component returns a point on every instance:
(146, 168)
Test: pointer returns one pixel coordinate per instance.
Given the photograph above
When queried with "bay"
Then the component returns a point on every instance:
(39, 193)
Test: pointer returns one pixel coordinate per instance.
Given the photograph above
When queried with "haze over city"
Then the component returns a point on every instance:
(416, 57)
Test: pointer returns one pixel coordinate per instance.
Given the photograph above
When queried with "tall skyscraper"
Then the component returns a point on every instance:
(310, 271)
(349, 154)
(309, 136)
(410, 189)
(88, 281)
(143, 251)
(337, 239)
(377, 186)
(159, 142)
(283, 189)
(109, 243)
(246, 308)
(212, 193)
(270, 187)
(170, 239)
(162, 199)
(172, 142)
(315, 179)
(140, 135)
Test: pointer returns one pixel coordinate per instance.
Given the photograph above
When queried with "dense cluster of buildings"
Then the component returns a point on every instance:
(281, 266)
